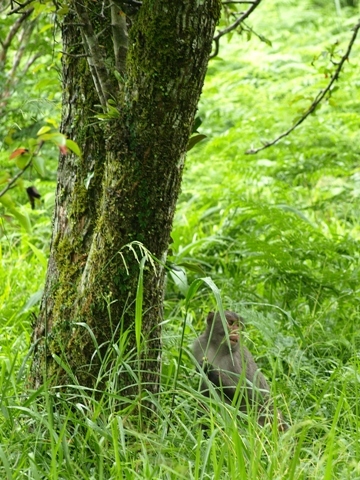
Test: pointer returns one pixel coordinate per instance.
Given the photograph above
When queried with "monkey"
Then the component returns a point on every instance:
(231, 368)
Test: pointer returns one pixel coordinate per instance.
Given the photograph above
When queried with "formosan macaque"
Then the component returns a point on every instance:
(230, 366)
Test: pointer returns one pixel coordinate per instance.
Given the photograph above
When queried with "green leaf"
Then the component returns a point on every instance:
(48, 26)
(43, 130)
(40, 255)
(73, 146)
(194, 287)
(193, 267)
(56, 137)
(179, 277)
(265, 40)
(22, 161)
(39, 164)
(88, 179)
(4, 176)
(7, 201)
(62, 11)
(197, 123)
(34, 299)
(139, 305)
(22, 218)
(194, 140)
(118, 77)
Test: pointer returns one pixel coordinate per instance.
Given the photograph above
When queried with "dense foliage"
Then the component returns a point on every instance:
(278, 233)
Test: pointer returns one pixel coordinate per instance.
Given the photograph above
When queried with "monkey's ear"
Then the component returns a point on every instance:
(210, 318)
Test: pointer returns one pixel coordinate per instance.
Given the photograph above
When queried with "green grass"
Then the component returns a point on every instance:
(279, 235)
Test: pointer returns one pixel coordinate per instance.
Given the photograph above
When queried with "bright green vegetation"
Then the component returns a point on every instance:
(278, 233)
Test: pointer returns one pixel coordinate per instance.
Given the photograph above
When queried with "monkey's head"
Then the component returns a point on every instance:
(215, 326)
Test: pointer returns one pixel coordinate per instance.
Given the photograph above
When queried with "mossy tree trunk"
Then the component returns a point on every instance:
(131, 112)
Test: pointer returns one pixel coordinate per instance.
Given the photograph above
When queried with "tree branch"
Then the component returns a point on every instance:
(318, 98)
(4, 7)
(95, 58)
(13, 180)
(12, 32)
(18, 175)
(233, 26)
(74, 55)
(23, 42)
(120, 38)
(29, 63)
(20, 7)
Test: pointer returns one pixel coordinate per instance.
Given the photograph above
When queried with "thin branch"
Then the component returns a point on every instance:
(74, 55)
(4, 7)
(18, 175)
(23, 42)
(29, 63)
(318, 98)
(22, 29)
(13, 180)
(94, 56)
(233, 26)
(12, 32)
(20, 7)
(120, 38)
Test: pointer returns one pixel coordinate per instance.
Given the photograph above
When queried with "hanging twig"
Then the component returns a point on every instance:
(318, 98)
(233, 26)
(22, 171)
(13, 180)
(20, 7)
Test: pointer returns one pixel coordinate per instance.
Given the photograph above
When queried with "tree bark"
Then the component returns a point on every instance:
(115, 205)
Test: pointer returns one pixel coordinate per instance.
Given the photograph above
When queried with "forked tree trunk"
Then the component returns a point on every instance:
(124, 188)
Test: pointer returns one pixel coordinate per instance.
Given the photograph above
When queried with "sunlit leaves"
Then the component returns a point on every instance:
(39, 165)
(25, 157)
(43, 130)
(21, 216)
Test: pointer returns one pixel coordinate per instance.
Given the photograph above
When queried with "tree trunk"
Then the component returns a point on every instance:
(115, 205)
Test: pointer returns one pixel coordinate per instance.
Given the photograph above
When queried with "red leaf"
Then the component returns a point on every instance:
(18, 152)
(63, 149)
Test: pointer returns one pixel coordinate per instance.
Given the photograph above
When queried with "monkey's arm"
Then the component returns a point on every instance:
(223, 382)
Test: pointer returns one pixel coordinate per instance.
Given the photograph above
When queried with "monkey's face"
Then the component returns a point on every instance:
(233, 327)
